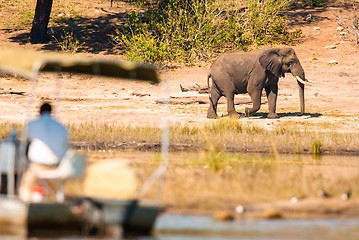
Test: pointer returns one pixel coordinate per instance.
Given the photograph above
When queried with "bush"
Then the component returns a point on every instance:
(266, 24)
(314, 3)
(350, 22)
(317, 147)
(188, 31)
(68, 42)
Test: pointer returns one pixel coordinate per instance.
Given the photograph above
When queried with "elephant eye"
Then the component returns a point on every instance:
(290, 63)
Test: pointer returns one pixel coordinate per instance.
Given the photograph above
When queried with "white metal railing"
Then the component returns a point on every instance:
(7, 166)
(158, 174)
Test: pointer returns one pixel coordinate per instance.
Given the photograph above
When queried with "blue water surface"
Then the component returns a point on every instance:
(185, 227)
(176, 227)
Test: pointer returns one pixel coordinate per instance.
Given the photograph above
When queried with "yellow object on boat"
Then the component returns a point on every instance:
(23, 62)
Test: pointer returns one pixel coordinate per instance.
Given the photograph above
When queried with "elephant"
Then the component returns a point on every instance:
(236, 72)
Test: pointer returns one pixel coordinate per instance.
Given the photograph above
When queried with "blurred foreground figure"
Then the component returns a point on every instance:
(48, 145)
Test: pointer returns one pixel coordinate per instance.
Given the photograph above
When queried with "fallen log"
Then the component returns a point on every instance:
(197, 87)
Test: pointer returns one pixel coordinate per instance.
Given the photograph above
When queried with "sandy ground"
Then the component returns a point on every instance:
(332, 98)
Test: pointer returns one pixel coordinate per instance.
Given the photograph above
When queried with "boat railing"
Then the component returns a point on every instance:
(8, 167)
(14, 158)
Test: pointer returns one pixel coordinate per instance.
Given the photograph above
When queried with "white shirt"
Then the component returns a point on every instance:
(49, 140)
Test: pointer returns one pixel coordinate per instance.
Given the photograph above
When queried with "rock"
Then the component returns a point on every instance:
(340, 28)
(331, 47)
(343, 33)
(294, 200)
(272, 213)
(322, 193)
(316, 28)
(309, 18)
(239, 209)
(333, 62)
(346, 196)
(223, 216)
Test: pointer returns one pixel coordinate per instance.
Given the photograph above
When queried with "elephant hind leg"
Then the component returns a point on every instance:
(213, 100)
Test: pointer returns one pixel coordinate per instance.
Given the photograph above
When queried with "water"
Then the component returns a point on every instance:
(175, 227)
(180, 227)
(186, 227)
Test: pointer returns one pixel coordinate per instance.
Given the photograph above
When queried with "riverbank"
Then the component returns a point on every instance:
(111, 116)
(234, 186)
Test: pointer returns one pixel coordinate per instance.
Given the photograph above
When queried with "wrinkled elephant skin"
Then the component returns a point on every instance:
(237, 72)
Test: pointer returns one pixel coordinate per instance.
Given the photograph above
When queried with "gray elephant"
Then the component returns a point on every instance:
(237, 72)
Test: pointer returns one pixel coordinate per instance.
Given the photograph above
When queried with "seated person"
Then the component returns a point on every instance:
(48, 145)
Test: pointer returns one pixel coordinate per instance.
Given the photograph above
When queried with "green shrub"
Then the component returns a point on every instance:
(188, 31)
(314, 3)
(68, 42)
(317, 147)
(266, 24)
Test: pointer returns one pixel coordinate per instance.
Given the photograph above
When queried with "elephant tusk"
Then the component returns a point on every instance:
(300, 80)
(310, 81)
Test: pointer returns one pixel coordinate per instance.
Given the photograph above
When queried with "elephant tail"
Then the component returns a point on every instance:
(214, 85)
(209, 87)
(208, 77)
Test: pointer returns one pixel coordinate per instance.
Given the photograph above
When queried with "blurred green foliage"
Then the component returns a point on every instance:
(190, 31)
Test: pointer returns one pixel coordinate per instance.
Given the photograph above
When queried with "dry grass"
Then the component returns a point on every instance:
(230, 135)
(211, 180)
(215, 178)
(219, 177)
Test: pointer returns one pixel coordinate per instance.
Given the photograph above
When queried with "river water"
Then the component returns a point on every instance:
(181, 227)
(188, 227)
(175, 227)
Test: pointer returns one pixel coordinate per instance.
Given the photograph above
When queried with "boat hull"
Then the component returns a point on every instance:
(78, 217)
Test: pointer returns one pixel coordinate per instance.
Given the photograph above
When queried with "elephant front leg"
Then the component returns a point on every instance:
(230, 106)
(256, 95)
(272, 93)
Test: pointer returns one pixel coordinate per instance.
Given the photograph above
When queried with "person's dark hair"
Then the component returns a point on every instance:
(46, 107)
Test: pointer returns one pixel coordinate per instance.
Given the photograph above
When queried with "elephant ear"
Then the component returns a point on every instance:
(271, 61)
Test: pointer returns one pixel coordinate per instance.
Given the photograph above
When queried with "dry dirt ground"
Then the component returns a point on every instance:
(333, 98)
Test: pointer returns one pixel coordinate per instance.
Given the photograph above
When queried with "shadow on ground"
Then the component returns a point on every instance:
(94, 35)
(291, 114)
(262, 115)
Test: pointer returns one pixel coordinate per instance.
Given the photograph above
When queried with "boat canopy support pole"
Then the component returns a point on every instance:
(23, 141)
(160, 172)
